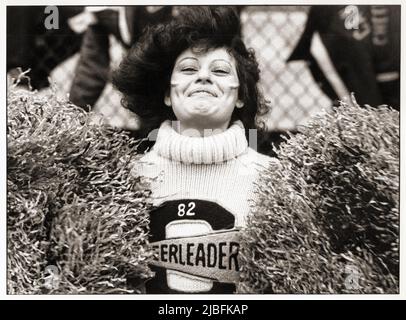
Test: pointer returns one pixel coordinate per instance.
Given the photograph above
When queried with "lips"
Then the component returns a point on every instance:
(201, 91)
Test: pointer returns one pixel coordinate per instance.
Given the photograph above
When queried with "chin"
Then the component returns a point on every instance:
(202, 108)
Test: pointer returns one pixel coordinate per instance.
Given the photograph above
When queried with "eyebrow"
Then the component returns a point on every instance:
(215, 60)
(185, 58)
(223, 61)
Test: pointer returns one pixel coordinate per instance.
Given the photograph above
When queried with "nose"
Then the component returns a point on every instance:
(203, 76)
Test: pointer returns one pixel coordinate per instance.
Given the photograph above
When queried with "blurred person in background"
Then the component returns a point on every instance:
(354, 49)
(31, 45)
(126, 25)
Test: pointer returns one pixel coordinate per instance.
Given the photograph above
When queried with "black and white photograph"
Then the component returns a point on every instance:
(203, 149)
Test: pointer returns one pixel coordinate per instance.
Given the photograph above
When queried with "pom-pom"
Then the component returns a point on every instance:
(327, 218)
(75, 207)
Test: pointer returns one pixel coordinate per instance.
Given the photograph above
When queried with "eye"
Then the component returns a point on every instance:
(221, 71)
(188, 69)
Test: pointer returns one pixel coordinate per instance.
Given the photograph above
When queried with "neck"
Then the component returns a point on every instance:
(199, 130)
(222, 146)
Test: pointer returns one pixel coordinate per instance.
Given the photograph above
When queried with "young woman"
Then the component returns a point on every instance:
(194, 79)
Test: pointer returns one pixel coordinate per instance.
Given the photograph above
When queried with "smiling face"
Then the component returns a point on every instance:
(204, 89)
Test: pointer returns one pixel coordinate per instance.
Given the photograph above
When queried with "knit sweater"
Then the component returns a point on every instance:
(202, 188)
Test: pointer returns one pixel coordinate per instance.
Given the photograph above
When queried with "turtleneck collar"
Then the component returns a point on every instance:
(201, 150)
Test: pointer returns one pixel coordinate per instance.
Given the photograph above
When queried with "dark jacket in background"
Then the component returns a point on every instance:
(366, 59)
(31, 45)
(93, 69)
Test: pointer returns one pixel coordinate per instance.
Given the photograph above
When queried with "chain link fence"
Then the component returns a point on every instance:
(272, 31)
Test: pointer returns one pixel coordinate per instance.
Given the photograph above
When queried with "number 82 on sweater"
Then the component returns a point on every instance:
(182, 207)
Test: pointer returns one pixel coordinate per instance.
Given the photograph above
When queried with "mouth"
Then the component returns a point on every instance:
(204, 92)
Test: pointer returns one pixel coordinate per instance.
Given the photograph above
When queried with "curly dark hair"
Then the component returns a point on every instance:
(144, 74)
